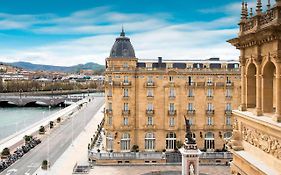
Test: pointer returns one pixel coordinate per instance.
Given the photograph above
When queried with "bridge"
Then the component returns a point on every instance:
(6, 100)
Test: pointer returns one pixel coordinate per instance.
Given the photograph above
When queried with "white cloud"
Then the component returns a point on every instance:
(152, 36)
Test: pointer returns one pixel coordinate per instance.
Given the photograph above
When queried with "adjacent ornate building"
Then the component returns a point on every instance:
(256, 141)
(147, 99)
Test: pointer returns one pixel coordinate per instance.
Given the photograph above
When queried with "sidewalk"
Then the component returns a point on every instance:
(76, 153)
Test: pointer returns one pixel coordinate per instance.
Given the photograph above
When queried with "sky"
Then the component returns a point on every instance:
(69, 32)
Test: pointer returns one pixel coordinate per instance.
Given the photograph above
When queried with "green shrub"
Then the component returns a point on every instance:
(5, 152)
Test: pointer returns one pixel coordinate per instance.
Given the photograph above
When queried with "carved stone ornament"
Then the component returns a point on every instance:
(263, 141)
(235, 140)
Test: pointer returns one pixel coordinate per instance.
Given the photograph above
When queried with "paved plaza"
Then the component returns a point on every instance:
(156, 170)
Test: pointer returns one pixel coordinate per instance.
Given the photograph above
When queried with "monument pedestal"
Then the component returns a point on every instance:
(190, 159)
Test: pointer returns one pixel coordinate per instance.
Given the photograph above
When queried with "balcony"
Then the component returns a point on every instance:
(190, 112)
(149, 111)
(148, 126)
(228, 112)
(190, 84)
(108, 111)
(210, 84)
(229, 84)
(210, 112)
(126, 127)
(150, 84)
(126, 112)
(228, 97)
(172, 112)
(150, 96)
(109, 97)
(126, 84)
(126, 97)
(172, 97)
(209, 127)
(209, 97)
(190, 97)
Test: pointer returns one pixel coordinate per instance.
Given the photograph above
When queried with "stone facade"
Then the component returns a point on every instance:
(256, 141)
(147, 99)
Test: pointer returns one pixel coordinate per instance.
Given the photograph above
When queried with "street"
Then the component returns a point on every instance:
(53, 146)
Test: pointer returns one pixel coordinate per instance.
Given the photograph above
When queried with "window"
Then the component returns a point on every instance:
(209, 120)
(109, 93)
(171, 79)
(190, 107)
(171, 140)
(172, 121)
(149, 120)
(190, 81)
(228, 120)
(149, 141)
(209, 141)
(109, 120)
(110, 106)
(150, 92)
(210, 107)
(149, 106)
(172, 92)
(126, 107)
(150, 79)
(125, 121)
(125, 65)
(125, 92)
(227, 135)
(228, 92)
(190, 92)
(126, 79)
(209, 92)
(228, 107)
(109, 141)
(190, 120)
(125, 142)
(172, 107)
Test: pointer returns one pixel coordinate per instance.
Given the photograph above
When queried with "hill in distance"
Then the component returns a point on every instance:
(68, 69)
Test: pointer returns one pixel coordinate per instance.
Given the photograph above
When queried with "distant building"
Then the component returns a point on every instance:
(147, 99)
(256, 141)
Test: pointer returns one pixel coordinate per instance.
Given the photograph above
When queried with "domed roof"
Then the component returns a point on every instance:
(122, 48)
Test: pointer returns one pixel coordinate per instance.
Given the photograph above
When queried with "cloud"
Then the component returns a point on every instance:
(152, 35)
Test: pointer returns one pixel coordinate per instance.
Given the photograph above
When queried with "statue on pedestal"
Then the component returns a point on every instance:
(188, 133)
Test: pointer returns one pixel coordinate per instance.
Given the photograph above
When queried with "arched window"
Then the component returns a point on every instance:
(125, 142)
(109, 141)
(227, 135)
(209, 141)
(251, 86)
(171, 140)
(149, 141)
(269, 88)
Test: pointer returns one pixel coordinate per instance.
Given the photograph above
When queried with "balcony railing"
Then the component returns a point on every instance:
(172, 97)
(229, 84)
(190, 112)
(210, 97)
(127, 156)
(190, 84)
(210, 112)
(126, 97)
(126, 84)
(125, 112)
(108, 111)
(227, 127)
(209, 84)
(150, 84)
(228, 97)
(228, 112)
(148, 126)
(150, 96)
(172, 112)
(149, 111)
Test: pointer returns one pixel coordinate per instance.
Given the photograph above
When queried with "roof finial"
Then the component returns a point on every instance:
(246, 10)
(243, 10)
(259, 7)
(268, 5)
(251, 12)
(122, 32)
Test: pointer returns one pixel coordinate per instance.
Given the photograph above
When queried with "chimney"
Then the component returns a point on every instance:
(159, 62)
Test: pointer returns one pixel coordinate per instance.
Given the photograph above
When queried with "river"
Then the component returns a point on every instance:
(13, 119)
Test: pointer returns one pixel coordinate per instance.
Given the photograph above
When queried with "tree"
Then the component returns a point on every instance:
(41, 130)
(5, 152)
(27, 138)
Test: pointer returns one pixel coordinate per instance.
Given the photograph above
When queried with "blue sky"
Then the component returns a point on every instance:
(68, 32)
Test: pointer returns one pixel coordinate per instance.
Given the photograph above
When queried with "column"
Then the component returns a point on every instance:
(277, 116)
(258, 91)
(243, 89)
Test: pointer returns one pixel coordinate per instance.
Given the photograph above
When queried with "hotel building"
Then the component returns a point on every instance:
(146, 100)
